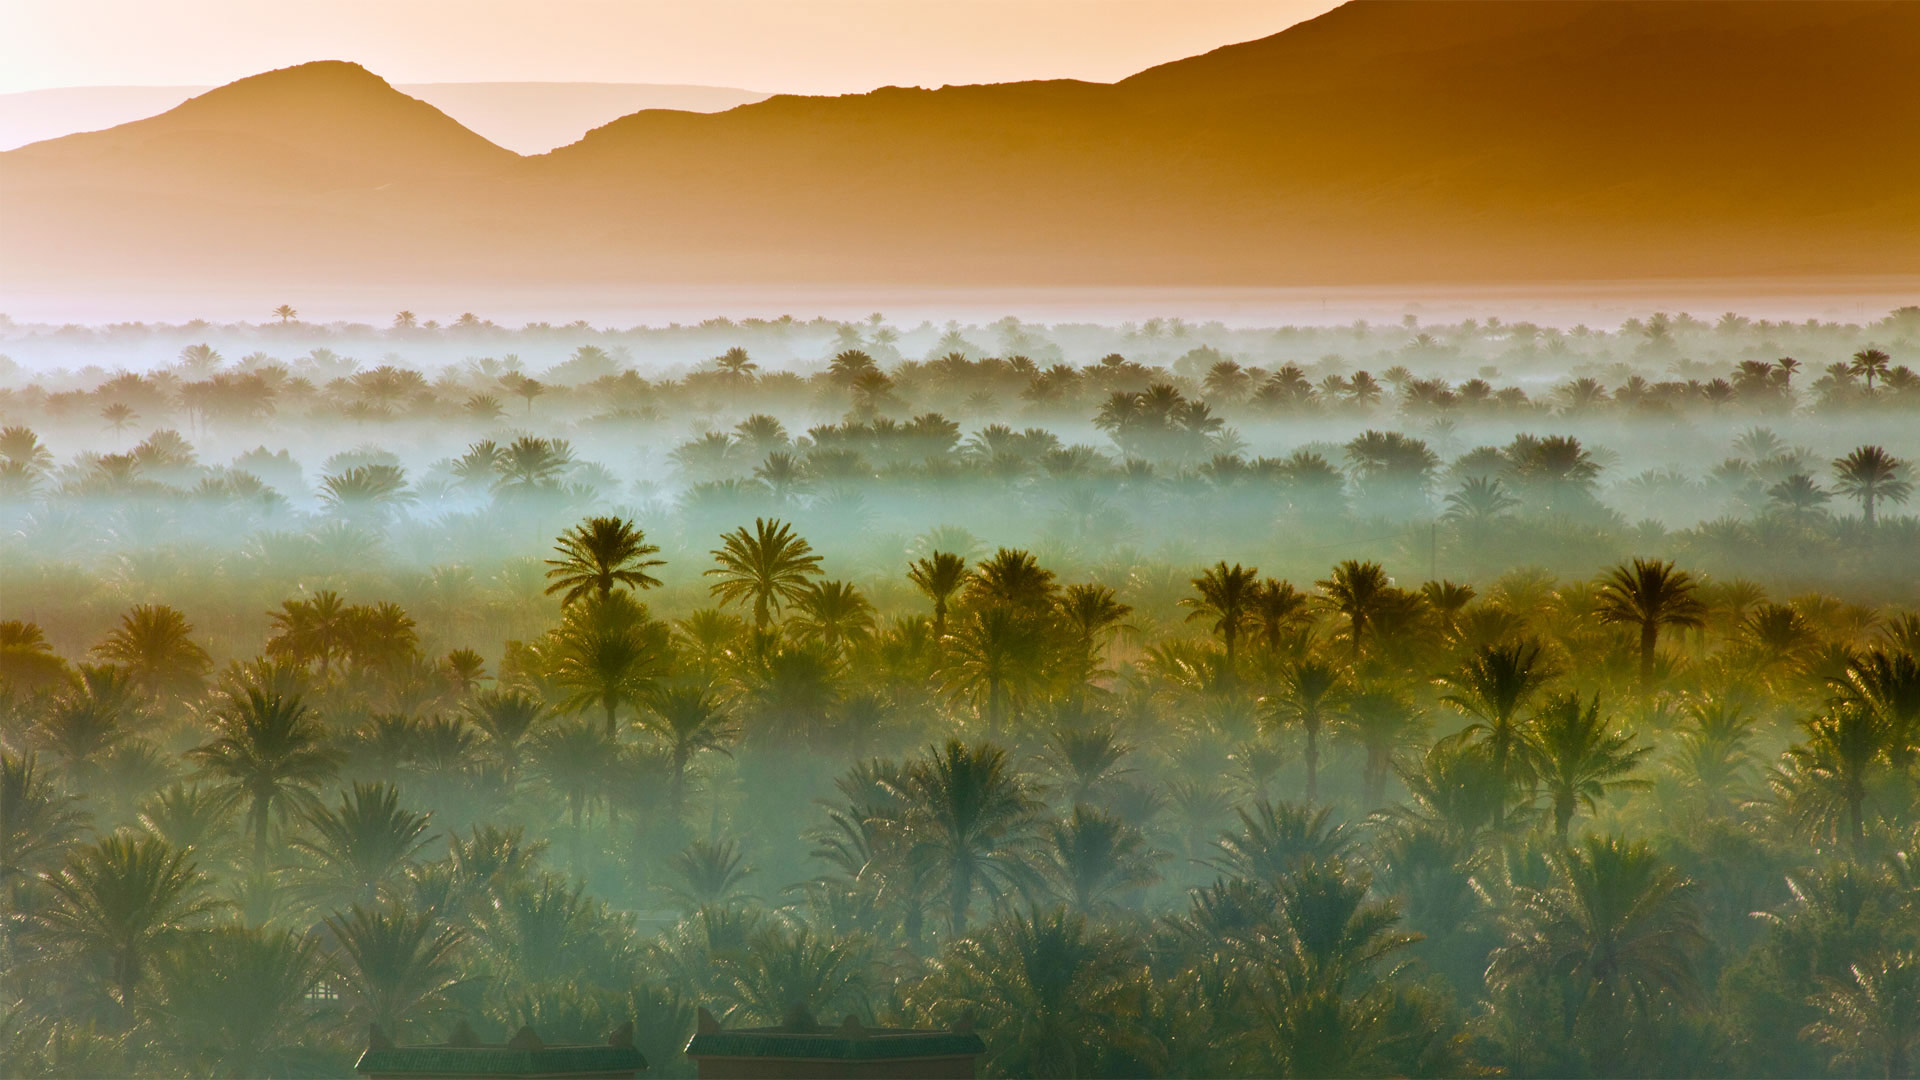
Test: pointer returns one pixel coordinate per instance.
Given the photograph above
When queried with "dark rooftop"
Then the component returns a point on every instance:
(802, 1038)
(525, 1055)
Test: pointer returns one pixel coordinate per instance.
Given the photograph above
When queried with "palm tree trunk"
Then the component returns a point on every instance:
(1313, 757)
(957, 901)
(261, 813)
(1649, 641)
(1562, 816)
(677, 785)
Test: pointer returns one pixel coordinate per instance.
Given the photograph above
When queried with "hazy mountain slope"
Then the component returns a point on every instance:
(525, 117)
(1395, 140)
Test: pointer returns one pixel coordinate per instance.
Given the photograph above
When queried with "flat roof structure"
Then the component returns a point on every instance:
(523, 1057)
(802, 1049)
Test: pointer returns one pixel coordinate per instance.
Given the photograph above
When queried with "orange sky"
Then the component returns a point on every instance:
(806, 46)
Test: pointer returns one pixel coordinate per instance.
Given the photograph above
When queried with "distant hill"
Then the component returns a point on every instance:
(1388, 141)
(525, 117)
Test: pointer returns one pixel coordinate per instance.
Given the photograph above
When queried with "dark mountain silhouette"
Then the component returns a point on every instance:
(1384, 141)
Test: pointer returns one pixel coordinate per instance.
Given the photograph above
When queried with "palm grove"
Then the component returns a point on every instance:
(1135, 812)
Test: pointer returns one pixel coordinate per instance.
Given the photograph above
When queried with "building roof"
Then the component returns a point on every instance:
(801, 1039)
(524, 1056)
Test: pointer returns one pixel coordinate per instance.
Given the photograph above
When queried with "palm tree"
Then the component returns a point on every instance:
(1383, 724)
(1226, 598)
(153, 642)
(1277, 607)
(970, 821)
(393, 964)
(939, 575)
(787, 974)
(359, 848)
(1092, 611)
(711, 873)
(1093, 855)
(1579, 758)
(237, 1001)
(598, 554)
(1309, 692)
(118, 414)
(768, 567)
(285, 313)
(1872, 1021)
(269, 755)
(834, 614)
(1276, 839)
(575, 761)
(505, 717)
(1492, 687)
(1616, 923)
(1870, 474)
(120, 897)
(607, 653)
(997, 660)
(37, 821)
(1319, 992)
(1650, 594)
(1823, 782)
(1870, 363)
(689, 718)
(313, 629)
(1084, 762)
(1052, 993)
(1356, 591)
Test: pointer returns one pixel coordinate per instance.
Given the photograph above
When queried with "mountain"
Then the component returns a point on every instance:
(1386, 141)
(525, 117)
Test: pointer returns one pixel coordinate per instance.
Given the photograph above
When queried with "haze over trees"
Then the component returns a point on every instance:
(1410, 700)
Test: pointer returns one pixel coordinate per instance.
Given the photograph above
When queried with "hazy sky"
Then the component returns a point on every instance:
(805, 46)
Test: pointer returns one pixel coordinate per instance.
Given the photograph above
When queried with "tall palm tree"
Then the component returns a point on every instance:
(311, 629)
(1384, 724)
(1492, 687)
(1579, 758)
(1276, 839)
(575, 761)
(971, 822)
(1092, 856)
(1889, 685)
(285, 313)
(607, 653)
(1053, 994)
(394, 964)
(788, 971)
(1356, 591)
(1319, 992)
(117, 899)
(1822, 784)
(599, 554)
(1649, 595)
(1617, 924)
(237, 1001)
(767, 567)
(1871, 1021)
(360, 848)
(940, 576)
(1276, 608)
(997, 659)
(1093, 611)
(711, 873)
(37, 821)
(269, 755)
(1871, 475)
(1871, 364)
(1225, 598)
(506, 717)
(154, 643)
(689, 718)
(1308, 695)
(834, 614)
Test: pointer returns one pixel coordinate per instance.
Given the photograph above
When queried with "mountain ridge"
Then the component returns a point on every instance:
(1385, 141)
